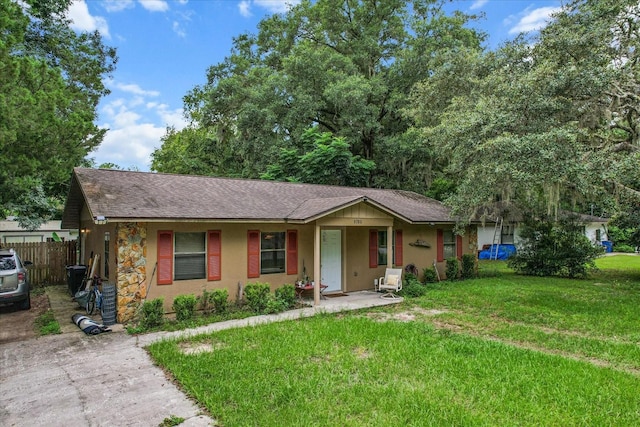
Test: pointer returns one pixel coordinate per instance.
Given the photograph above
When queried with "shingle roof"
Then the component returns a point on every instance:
(126, 195)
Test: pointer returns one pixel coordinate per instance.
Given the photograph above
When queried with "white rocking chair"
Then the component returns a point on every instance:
(391, 283)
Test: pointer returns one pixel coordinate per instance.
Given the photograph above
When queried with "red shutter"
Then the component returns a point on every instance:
(214, 255)
(253, 254)
(398, 252)
(459, 246)
(292, 251)
(440, 246)
(165, 257)
(373, 248)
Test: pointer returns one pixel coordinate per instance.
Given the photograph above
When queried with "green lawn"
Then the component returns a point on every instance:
(499, 350)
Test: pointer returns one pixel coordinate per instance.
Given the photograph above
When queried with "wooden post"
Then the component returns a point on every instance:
(390, 241)
(316, 266)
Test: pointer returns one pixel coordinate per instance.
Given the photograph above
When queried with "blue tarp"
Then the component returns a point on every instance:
(504, 252)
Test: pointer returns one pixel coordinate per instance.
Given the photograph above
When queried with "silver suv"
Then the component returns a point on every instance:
(14, 279)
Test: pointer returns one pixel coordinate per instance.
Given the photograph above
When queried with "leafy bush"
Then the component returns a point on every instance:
(286, 294)
(220, 300)
(623, 248)
(152, 313)
(468, 266)
(412, 288)
(205, 302)
(452, 269)
(216, 300)
(257, 296)
(429, 275)
(184, 306)
(549, 248)
(274, 305)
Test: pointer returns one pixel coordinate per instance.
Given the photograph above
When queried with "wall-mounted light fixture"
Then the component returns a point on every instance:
(100, 220)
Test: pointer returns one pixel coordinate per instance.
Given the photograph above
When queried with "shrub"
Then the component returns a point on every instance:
(152, 313)
(452, 269)
(549, 247)
(468, 266)
(412, 288)
(257, 296)
(429, 275)
(274, 305)
(205, 302)
(216, 300)
(286, 294)
(409, 276)
(623, 248)
(184, 306)
(220, 300)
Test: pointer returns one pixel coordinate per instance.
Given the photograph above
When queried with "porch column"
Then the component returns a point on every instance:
(316, 266)
(390, 242)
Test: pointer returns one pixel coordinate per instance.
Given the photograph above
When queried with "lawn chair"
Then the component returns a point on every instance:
(391, 282)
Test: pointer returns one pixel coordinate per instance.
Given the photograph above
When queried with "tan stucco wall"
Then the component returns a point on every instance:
(233, 258)
(357, 275)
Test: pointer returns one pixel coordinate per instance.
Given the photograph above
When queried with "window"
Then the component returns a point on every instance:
(598, 235)
(506, 235)
(379, 248)
(382, 248)
(183, 256)
(266, 252)
(106, 255)
(449, 244)
(272, 252)
(190, 256)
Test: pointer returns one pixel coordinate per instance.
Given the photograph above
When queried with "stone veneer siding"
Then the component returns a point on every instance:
(131, 268)
(473, 239)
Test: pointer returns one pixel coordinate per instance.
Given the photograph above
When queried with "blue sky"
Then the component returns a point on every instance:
(165, 47)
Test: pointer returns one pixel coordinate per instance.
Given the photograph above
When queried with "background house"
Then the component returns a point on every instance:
(11, 232)
(168, 235)
(507, 232)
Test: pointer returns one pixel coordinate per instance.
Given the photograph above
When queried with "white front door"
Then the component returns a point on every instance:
(331, 260)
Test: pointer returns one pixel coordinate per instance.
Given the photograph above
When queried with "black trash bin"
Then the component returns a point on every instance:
(75, 274)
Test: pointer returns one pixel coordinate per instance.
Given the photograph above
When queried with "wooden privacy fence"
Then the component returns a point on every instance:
(49, 259)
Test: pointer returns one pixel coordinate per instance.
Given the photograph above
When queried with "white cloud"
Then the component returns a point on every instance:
(173, 118)
(179, 30)
(81, 19)
(276, 6)
(245, 8)
(155, 5)
(135, 126)
(118, 5)
(131, 88)
(272, 6)
(532, 20)
(478, 4)
(129, 146)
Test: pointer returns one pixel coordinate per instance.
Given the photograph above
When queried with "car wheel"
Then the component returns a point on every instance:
(26, 303)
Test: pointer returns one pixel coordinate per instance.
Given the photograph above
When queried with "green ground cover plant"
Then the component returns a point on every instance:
(502, 349)
(46, 324)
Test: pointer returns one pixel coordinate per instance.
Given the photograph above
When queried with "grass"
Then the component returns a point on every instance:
(499, 350)
(46, 324)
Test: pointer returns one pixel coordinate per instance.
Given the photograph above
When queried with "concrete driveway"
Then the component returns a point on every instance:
(74, 379)
(80, 380)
